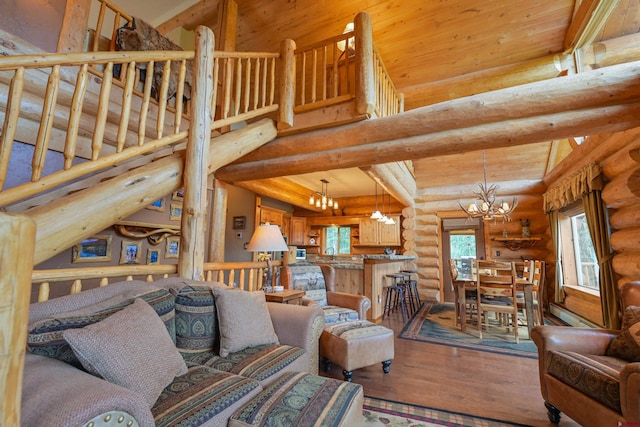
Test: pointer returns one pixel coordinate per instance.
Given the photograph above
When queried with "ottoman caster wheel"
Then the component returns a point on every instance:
(326, 364)
(347, 375)
(386, 366)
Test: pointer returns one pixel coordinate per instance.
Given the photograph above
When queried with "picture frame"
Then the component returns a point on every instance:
(178, 196)
(172, 248)
(158, 205)
(239, 222)
(130, 252)
(153, 256)
(175, 214)
(94, 249)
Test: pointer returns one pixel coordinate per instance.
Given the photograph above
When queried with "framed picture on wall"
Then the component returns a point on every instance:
(158, 205)
(94, 249)
(239, 222)
(172, 248)
(176, 212)
(130, 252)
(153, 256)
(178, 196)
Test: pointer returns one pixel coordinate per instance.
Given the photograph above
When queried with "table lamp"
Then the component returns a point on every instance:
(267, 238)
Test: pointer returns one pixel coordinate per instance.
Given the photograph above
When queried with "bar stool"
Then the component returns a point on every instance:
(394, 296)
(414, 296)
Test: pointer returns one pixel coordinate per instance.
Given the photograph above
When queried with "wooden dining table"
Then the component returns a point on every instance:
(468, 281)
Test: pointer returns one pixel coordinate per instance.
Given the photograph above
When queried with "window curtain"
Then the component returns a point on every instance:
(586, 184)
(554, 227)
(598, 220)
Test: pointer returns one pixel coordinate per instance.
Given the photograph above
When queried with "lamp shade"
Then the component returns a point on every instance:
(267, 238)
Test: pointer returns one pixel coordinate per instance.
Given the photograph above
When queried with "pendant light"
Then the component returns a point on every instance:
(376, 214)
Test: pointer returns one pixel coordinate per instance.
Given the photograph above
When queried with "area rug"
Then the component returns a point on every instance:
(435, 323)
(380, 412)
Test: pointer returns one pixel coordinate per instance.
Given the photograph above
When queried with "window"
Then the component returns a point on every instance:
(579, 263)
(588, 270)
(338, 240)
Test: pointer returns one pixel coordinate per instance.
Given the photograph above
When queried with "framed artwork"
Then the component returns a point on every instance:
(239, 222)
(172, 249)
(176, 212)
(178, 196)
(158, 205)
(153, 256)
(94, 249)
(130, 252)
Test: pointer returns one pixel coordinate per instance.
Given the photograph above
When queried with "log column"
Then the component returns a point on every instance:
(194, 209)
(217, 225)
(16, 263)
(365, 87)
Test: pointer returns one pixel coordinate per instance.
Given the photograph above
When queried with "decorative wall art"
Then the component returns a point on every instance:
(130, 252)
(239, 222)
(178, 196)
(176, 212)
(153, 256)
(94, 249)
(172, 249)
(158, 205)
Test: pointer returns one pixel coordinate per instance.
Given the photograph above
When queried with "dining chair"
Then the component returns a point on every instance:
(534, 272)
(496, 292)
(469, 297)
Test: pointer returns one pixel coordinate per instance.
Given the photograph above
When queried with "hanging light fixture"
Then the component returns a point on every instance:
(485, 206)
(321, 199)
(383, 218)
(389, 220)
(376, 214)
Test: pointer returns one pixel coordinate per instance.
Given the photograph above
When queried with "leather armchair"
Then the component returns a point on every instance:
(325, 296)
(588, 408)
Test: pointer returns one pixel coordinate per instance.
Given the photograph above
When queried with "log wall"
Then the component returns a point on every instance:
(427, 235)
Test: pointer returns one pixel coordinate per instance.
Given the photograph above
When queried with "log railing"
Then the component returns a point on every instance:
(388, 100)
(120, 18)
(66, 103)
(244, 275)
(336, 70)
(325, 73)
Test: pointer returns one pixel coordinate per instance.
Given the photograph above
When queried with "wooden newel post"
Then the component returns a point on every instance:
(287, 84)
(365, 85)
(194, 208)
(16, 262)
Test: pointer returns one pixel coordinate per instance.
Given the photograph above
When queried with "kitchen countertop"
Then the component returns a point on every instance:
(358, 263)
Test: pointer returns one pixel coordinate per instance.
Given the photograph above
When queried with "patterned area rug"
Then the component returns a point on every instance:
(379, 412)
(435, 323)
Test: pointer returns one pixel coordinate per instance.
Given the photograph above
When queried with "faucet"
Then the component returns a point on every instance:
(331, 251)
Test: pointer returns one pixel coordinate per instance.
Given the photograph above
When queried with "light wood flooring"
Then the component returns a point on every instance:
(473, 382)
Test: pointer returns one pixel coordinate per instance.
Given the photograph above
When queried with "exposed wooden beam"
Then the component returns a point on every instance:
(593, 102)
(282, 189)
(202, 13)
(587, 23)
(389, 175)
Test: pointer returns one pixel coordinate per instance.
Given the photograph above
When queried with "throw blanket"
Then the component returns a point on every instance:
(142, 36)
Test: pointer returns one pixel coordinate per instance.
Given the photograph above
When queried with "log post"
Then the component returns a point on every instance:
(287, 84)
(365, 87)
(194, 208)
(74, 26)
(218, 220)
(16, 263)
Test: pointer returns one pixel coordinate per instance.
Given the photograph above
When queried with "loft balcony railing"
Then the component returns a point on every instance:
(346, 67)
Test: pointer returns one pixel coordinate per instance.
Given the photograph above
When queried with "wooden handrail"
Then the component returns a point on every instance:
(244, 275)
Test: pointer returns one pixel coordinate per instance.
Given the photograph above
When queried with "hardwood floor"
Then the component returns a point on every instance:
(459, 380)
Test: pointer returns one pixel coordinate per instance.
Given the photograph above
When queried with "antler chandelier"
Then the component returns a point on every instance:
(485, 206)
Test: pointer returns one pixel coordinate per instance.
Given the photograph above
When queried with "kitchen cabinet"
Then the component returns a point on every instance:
(374, 233)
(298, 231)
(272, 216)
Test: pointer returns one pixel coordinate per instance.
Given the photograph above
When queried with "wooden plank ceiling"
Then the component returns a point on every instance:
(426, 43)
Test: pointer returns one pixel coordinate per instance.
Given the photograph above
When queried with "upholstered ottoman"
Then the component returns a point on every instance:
(303, 399)
(356, 344)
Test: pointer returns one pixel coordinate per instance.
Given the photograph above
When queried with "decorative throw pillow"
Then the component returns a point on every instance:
(627, 344)
(243, 319)
(130, 348)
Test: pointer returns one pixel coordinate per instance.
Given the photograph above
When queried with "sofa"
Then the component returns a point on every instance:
(170, 352)
(590, 374)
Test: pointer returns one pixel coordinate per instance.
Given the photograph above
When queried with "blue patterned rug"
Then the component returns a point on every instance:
(434, 323)
(388, 413)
